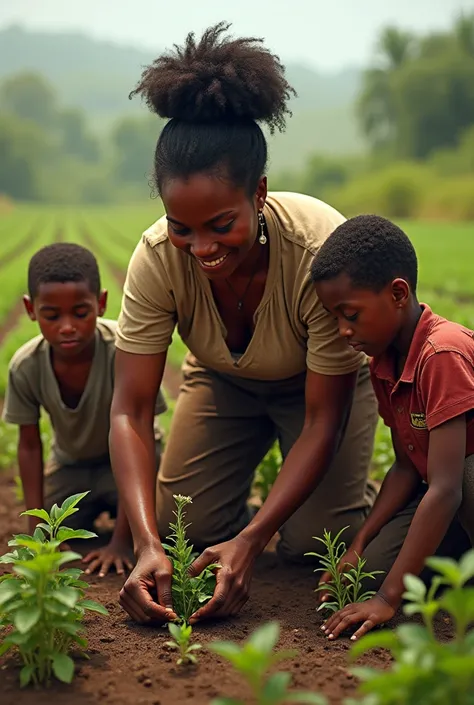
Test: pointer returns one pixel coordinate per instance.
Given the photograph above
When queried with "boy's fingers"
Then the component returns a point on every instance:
(90, 556)
(105, 567)
(119, 566)
(93, 566)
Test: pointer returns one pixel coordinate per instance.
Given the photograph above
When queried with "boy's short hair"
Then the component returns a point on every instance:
(63, 262)
(371, 250)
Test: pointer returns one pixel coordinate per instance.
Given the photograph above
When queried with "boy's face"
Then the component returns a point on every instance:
(66, 314)
(370, 321)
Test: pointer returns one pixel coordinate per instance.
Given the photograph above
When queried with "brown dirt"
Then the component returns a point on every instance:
(130, 664)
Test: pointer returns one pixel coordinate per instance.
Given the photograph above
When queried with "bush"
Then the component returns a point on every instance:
(398, 191)
(450, 199)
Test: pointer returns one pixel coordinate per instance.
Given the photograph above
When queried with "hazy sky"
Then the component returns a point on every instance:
(323, 33)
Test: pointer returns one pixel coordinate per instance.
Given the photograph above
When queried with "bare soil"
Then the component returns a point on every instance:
(130, 663)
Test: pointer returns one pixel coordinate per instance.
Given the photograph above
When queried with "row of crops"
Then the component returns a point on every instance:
(445, 252)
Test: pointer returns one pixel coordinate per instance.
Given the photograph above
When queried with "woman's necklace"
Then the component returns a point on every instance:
(241, 299)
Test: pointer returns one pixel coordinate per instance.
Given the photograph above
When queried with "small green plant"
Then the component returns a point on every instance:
(345, 586)
(41, 605)
(267, 472)
(426, 670)
(182, 642)
(188, 593)
(253, 660)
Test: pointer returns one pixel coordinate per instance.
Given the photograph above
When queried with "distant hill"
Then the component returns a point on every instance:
(98, 76)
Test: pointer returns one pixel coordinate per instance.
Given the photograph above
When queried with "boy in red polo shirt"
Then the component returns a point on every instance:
(422, 370)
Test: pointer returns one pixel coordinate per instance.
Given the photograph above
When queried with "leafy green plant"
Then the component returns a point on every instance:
(188, 593)
(426, 670)
(182, 642)
(253, 660)
(41, 605)
(345, 586)
(267, 472)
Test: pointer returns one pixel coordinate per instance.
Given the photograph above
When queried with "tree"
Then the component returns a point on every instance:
(376, 108)
(75, 140)
(134, 140)
(29, 97)
(22, 150)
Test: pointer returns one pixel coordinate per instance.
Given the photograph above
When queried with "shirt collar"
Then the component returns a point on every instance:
(384, 365)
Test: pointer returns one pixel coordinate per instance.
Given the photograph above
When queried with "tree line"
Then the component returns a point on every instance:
(415, 108)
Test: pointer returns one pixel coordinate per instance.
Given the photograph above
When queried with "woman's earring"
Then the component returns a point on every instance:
(263, 238)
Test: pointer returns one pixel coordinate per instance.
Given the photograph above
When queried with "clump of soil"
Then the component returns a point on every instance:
(130, 663)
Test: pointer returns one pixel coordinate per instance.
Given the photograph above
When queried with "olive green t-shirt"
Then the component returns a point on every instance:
(79, 434)
(165, 287)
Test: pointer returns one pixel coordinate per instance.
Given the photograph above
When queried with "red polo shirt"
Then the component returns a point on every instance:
(436, 385)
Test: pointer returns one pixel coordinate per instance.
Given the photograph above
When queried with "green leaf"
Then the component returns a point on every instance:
(466, 566)
(71, 501)
(26, 619)
(66, 596)
(39, 513)
(275, 688)
(9, 589)
(309, 698)
(265, 638)
(175, 631)
(384, 639)
(226, 649)
(447, 567)
(67, 556)
(63, 667)
(65, 534)
(416, 589)
(226, 701)
(6, 646)
(93, 606)
(26, 674)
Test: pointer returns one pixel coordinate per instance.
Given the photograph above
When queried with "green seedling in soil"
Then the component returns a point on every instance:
(182, 642)
(426, 670)
(345, 586)
(267, 472)
(42, 605)
(188, 593)
(253, 660)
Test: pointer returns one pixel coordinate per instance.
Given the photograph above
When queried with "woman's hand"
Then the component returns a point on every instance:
(233, 578)
(371, 613)
(152, 572)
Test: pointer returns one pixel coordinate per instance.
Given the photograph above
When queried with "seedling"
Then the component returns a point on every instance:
(426, 670)
(345, 586)
(41, 605)
(253, 660)
(182, 642)
(188, 593)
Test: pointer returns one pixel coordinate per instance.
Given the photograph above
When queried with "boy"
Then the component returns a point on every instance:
(422, 371)
(69, 371)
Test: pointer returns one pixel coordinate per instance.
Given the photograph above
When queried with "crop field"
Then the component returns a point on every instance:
(130, 663)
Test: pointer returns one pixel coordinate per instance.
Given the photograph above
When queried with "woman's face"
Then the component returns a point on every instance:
(213, 221)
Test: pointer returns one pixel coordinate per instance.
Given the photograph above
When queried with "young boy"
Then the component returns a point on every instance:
(422, 370)
(68, 370)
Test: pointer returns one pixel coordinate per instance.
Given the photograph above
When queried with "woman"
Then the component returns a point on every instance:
(229, 264)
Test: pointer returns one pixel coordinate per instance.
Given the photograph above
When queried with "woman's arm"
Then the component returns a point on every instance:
(132, 450)
(302, 471)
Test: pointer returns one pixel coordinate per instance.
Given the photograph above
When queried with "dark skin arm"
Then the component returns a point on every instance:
(132, 449)
(399, 487)
(436, 510)
(302, 471)
(30, 465)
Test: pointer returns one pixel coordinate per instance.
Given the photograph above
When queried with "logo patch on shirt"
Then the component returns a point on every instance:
(418, 420)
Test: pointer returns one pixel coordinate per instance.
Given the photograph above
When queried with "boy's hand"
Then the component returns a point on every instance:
(115, 553)
(371, 613)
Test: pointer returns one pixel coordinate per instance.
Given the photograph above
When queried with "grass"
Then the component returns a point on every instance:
(445, 253)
